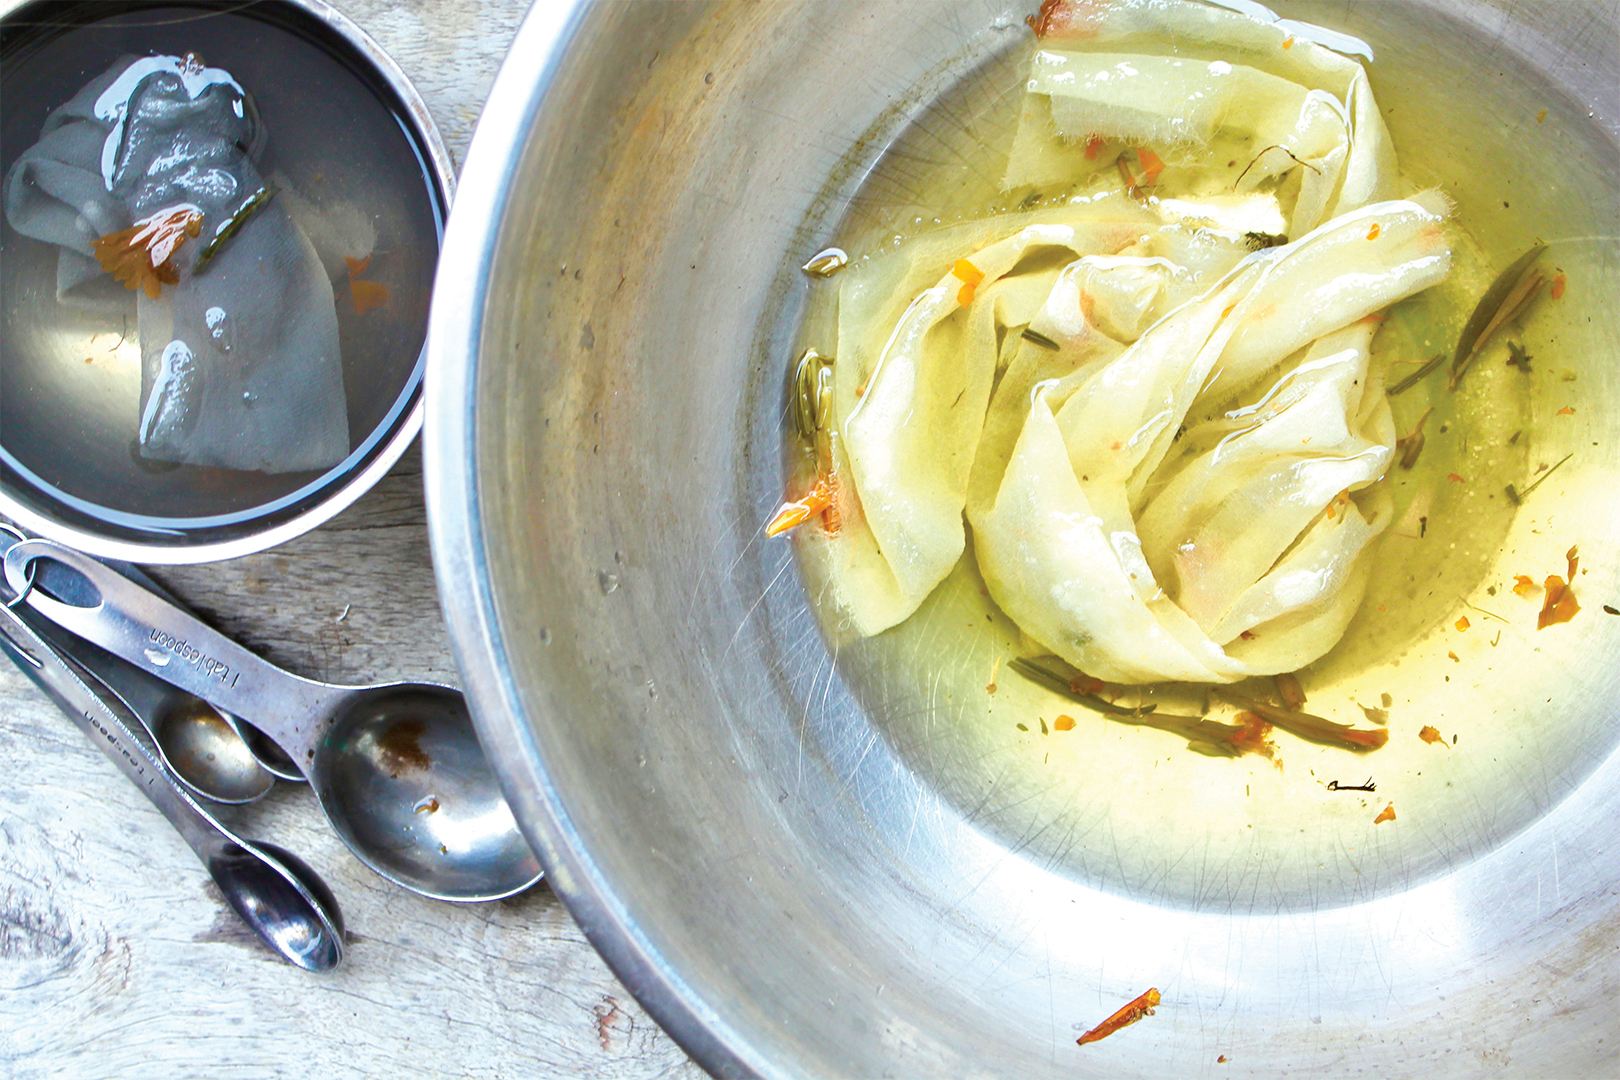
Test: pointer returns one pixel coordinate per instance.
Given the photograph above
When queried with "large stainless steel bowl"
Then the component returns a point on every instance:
(793, 872)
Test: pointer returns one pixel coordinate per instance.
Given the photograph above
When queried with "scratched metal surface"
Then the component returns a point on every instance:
(803, 864)
(117, 955)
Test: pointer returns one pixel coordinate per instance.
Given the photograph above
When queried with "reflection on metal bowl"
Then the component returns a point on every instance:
(800, 860)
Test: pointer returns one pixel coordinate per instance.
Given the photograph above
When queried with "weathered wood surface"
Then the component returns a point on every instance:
(117, 956)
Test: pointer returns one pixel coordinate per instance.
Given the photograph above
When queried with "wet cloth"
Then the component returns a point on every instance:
(240, 366)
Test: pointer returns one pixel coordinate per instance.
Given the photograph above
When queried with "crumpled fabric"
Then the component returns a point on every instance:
(1201, 507)
(240, 361)
(1154, 424)
(1203, 86)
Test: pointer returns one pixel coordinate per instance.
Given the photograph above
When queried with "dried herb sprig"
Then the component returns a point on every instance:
(1208, 737)
(233, 225)
(1417, 376)
(1508, 295)
(1066, 687)
(1311, 728)
(1039, 339)
(1411, 445)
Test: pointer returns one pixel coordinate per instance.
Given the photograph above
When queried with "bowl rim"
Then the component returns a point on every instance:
(455, 530)
(347, 490)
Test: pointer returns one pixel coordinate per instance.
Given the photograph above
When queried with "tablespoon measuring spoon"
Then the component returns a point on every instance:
(397, 767)
(202, 748)
(280, 898)
(197, 743)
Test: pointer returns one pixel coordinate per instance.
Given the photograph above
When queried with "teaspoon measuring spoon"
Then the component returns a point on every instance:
(199, 744)
(276, 894)
(397, 768)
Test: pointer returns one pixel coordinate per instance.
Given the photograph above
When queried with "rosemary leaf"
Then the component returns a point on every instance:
(1417, 376)
(1506, 297)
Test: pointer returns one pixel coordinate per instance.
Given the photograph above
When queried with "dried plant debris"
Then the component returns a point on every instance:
(365, 293)
(1079, 689)
(1559, 606)
(1518, 358)
(1310, 728)
(1517, 496)
(818, 500)
(1386, 814)
(233, 225)
(1411, 445)
(1558, 603)
(1417, 376)
(1376, 715)
(1130, 1014)
(1289, 691)
(1039, 339)
(142, 256)
(1251, 735)
(824, 264)
(1508, 295)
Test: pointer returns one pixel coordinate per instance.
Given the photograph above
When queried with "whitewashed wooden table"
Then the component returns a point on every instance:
(117, 955)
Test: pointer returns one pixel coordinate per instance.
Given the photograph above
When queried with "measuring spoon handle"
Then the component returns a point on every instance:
(154, 635)
(290, 909)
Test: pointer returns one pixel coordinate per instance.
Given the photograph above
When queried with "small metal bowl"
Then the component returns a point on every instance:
(351, 155)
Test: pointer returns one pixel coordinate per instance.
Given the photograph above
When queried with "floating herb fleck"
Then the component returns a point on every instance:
(141, 256)
(1289, 690)
(1208, 737)
(1507, 296)
(1517, 357)
(1417, 376)
(1258, 241)
(1560, 605)
(1130, 1014)
(812, 393)
(1065, 687)
(1518, 496)
(233, 225)
(1311, 728)
(824, 264)
(1040, 339)
(1411, 445)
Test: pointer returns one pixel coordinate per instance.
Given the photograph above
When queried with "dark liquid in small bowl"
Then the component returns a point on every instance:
(338, 138)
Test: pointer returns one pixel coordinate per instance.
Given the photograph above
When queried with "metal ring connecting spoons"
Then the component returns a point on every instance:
(274, 892)
(397, 768)
(201, 746)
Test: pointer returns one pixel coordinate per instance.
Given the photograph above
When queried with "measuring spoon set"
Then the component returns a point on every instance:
(192, 717)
